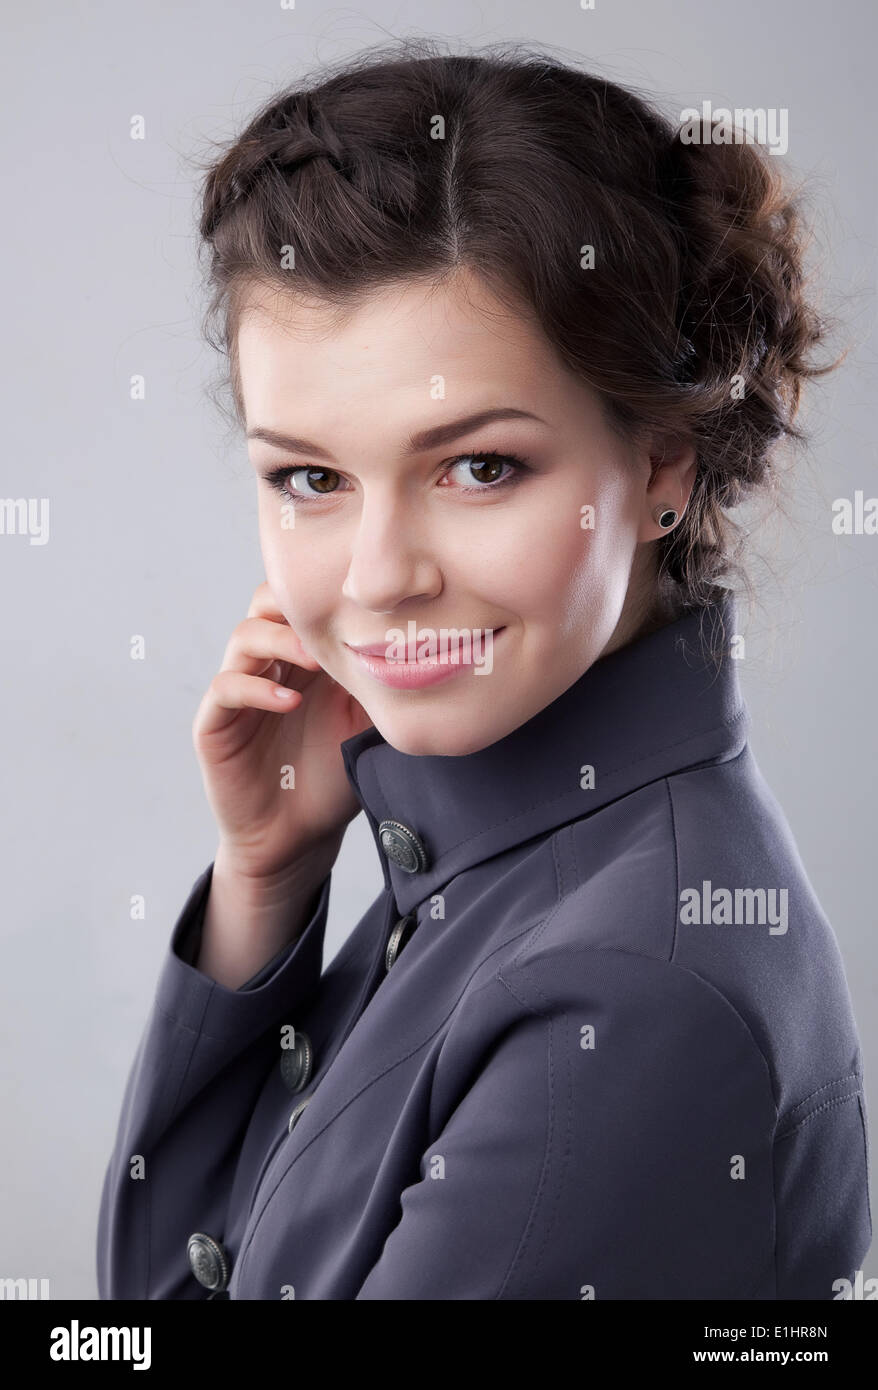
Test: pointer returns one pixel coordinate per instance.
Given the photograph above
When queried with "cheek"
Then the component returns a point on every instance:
(277, 552)
(534, 558)
(573, 575)
(558, 557)
(565, 578)
(295, 574)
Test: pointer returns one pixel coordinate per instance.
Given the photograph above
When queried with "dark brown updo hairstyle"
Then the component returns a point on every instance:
(413, 163)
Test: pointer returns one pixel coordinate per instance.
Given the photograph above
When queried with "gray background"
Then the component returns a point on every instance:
(153, 513)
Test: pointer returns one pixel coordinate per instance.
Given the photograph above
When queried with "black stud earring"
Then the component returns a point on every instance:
(665, 516)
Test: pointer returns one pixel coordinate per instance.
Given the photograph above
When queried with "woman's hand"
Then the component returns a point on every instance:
(245, 735)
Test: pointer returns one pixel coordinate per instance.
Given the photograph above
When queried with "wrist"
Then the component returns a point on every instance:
(254, 887)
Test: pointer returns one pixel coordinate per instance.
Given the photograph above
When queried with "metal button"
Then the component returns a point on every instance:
(398, 937)
(208, 1261)
(401, 845)
(296, 1113)
(296, 1062)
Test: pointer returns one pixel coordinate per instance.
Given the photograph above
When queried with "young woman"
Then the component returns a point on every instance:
(506, 349)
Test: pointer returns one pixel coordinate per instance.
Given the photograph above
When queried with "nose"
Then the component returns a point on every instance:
(392, 557)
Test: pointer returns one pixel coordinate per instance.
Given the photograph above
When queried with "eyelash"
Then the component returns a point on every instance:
(278, 476)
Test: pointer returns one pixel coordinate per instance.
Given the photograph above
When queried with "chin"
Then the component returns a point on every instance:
(420, 741)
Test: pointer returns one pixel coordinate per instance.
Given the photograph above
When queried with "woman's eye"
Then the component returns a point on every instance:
(321, 480)
(475, 473)
(483, 469)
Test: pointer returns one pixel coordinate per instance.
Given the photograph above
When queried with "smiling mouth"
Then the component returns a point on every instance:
(377, 652)
(429, 670)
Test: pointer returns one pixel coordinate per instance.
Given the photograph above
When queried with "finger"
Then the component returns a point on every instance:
(264, 604)
(231, 691)
(256, 642)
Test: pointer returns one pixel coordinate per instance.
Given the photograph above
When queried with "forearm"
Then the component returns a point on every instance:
(199, 1069)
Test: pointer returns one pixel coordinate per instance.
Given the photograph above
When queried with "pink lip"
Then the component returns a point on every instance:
(368, 648)
(409, 675)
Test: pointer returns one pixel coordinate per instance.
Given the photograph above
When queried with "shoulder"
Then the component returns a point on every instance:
(686, 905)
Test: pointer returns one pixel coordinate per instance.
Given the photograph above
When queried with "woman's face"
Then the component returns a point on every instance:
(392, 527)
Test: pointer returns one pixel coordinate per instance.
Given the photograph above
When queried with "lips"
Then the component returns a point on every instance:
(369, 649)
(416, 675)
(377, 650)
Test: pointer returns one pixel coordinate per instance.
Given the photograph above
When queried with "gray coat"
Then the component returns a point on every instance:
(592, 1039)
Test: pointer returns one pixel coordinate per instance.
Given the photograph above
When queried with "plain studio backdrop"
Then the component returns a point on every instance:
(152, 507)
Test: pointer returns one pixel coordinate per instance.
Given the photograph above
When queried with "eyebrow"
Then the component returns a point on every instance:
(417, 443)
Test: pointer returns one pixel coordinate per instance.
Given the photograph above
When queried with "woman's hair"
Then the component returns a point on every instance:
(693, 318)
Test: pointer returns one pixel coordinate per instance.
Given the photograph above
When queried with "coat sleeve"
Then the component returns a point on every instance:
(603, 1129)
(197, 1073)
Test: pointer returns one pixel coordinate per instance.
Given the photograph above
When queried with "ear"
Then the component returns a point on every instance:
(670, 464)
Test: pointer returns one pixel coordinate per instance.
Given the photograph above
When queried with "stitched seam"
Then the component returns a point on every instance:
(559, 867)
(578, 875)
(671, 960)
(865, 1158)
(827, 1105)
(551, 1216)
(383, 1071)
(377, 950)
(195, 1035)
(641, 955)
(173, 1110)
(820, 1089)
(611, 772)
(268, 1200)
(525, 1003)
(676, 870)
(545, 1166)
(546, 1169)
(198, 1032)
(537, 931)
(195, 1030)
(168, 1121)
(674, 965)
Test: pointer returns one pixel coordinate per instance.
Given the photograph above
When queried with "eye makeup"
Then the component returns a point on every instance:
(277, 478)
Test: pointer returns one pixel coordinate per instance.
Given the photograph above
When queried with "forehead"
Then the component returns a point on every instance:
(403, 335)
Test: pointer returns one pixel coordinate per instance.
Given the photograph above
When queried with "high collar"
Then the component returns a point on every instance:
(655, 706)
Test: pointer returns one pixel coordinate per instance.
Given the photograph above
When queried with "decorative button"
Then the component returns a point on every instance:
(296, 1113)
(208, 1261)
(297, 1061)
(402, 846)
(398, 937)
